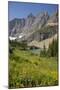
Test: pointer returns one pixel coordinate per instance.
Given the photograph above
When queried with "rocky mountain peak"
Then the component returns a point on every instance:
(30, 15)
(28, 26)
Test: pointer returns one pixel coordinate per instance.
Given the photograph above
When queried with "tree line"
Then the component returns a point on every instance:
(52, 50)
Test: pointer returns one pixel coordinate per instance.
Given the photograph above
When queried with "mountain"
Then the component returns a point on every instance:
(15, 26)
(27, 24)
(39, 27)
(53, 20)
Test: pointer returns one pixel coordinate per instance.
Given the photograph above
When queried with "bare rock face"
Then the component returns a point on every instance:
(29, 28)
(15, 26)
(53, 20)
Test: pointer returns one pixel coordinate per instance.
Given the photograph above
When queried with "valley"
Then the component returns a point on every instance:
(33, 51)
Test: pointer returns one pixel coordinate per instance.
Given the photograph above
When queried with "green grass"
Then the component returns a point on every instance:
(29, 70)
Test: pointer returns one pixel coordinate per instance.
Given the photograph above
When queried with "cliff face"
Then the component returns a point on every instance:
(37, 27)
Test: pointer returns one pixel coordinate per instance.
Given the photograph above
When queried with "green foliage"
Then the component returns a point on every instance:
(20, 45)
(43, 52)
(53, 48)
(30, 70)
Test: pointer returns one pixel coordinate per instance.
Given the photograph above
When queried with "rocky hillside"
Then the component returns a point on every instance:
(29, 24)
(45, 42)
(39, 27)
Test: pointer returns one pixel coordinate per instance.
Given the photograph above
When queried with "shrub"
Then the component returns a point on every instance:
(36, 63)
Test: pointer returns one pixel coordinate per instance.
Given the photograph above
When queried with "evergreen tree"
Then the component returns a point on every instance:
(53, 48)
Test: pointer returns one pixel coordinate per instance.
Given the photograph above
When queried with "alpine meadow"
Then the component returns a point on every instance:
(33, 45)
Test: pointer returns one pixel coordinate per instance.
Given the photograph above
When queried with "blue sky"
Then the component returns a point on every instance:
(22, 10)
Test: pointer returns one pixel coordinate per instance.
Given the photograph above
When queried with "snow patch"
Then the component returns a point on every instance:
(21, 35)
(12, 38)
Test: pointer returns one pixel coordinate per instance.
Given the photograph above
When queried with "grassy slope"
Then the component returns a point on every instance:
(27, 70)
